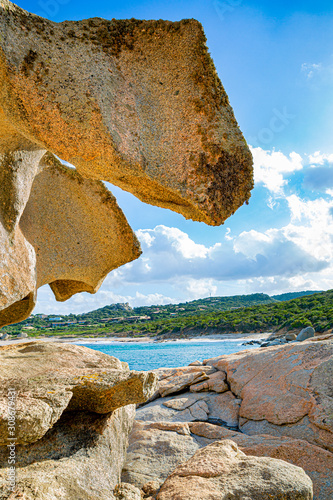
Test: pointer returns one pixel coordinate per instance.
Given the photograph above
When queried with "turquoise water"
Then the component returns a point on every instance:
(147, 356)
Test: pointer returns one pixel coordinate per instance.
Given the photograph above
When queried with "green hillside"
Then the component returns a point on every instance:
(293, 295)
(244, 313)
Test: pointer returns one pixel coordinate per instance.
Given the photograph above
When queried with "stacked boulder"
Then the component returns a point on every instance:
(67, 412)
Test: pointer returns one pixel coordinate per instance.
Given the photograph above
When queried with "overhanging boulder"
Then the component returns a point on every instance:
(135, 103)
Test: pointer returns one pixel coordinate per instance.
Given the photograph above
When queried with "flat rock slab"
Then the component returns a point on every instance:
(216, 382)
(222, 471)
(173, 380)
(177, 383)
(284, 390)
(48, 378)
(190, 407)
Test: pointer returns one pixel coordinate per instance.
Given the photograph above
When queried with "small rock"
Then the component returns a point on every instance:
(290, 336)
(195, 363)
(216, 382)
(180, 382)
(306, 333)
(126, 491)
(151, 488)
(181, 402)
(274, 342)
(5, 336)
(22, 335)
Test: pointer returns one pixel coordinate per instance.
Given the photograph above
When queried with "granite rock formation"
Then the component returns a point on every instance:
(80, 380)
(156, 449)
(285, 391)
(279, 397)
(222, 471)
(74, 411)
(135, 103)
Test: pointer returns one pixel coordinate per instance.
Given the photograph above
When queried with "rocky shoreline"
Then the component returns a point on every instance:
(255, 423)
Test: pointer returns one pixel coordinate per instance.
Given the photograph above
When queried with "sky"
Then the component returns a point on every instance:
(275, 60)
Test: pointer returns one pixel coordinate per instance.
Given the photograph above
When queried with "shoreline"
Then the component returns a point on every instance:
(131, 340)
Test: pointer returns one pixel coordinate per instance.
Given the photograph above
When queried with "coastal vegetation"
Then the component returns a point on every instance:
(242, 314)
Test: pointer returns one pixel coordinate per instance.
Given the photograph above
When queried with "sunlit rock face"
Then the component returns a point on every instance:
(74, 410)
(135, 103)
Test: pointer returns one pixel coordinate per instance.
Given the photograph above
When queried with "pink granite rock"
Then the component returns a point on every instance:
(284, 390)
(216, 382)
(221, 470)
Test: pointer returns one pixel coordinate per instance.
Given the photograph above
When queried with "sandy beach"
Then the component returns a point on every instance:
(110, 340)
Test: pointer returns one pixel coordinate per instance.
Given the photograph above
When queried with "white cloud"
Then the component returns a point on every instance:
(319, 158)
(83, 302)
(251, 254)
(200, 288)
(275, 258)
(318, 74)
(251, 243)
(311, 227)
(270, 167)
(145, 237)
(311, 69)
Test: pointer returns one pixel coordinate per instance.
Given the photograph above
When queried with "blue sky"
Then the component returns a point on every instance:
(275, 60)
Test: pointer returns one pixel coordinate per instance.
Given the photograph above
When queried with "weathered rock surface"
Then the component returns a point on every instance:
(181, 378)
(62, 210)
(79, 458)
(74, 411)
(180, 382)
(317, 463)
(19, 160)
(221, 470)
(55, 377)
(195, 363)
(216, 382)
(280, 397)
(126, 491)
(188, 407)
(156, 449)
(284, 390)
(136, 103)
(111, 140)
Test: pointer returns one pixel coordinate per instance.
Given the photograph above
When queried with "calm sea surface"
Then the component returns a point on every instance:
(147, 356)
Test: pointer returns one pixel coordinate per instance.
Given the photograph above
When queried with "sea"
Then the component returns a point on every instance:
(151, 355)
